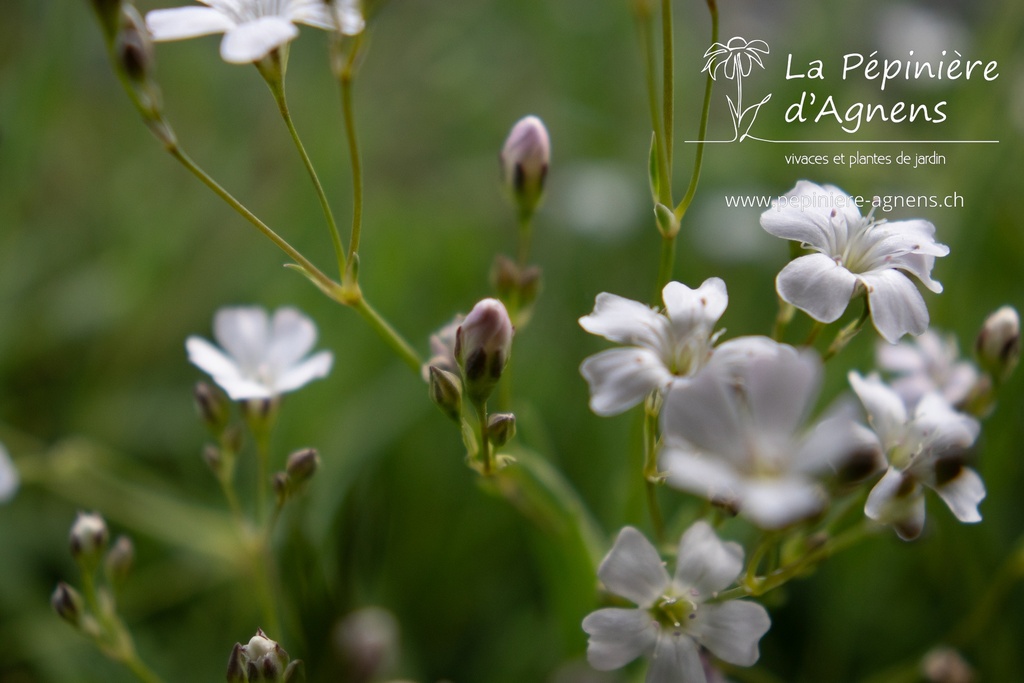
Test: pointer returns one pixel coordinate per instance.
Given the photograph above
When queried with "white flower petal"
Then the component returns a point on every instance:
(920, 266)
(9, 479)
(186, 22)
(731, 630)
(962, 494)
(896, 306)
(296, 376)
(621, 378)
(889, 503)
(778, 502)
(675, 659)
(710, 478)
(695, 311)
(633, 569)
(254, 40)
(886, 411)
(817, 285)
(941, 428)
(705, 563)
(618, 636)
(292, 336)
(780, 391)
(243, 332)
(702, 412)
(626, 321)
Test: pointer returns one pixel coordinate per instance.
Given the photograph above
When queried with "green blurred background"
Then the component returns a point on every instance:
(111, 254)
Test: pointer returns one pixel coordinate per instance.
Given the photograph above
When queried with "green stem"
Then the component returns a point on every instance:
(314, 273)
(525, 234)
(647, 43)
(667, 81)
(277, 88)
(391, 336)
(345, 78)
(650, 472)
(702, 132)
(782, 319)
(666, 263)
(846, 335)
(486, 457)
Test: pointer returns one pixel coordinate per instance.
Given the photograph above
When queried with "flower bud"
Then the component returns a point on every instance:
(446, 392)
(998, 343)
(119, 561)
(282, 487)
(236, 665)
(302, 465)
(134, 46)
(482, 346)
(212, 407)
(524, 162)
(264, 659)
(67, 603)
(501, 427)
(88, 540)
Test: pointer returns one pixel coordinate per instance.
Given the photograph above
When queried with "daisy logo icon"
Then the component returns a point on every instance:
(735, 60)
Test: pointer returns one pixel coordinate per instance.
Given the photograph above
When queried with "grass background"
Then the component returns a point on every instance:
(111, 254)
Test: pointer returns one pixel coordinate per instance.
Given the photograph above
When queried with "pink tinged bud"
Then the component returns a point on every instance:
(524, 161)
(482, 346)
(998, 343)
(501, 427)
(446, 392)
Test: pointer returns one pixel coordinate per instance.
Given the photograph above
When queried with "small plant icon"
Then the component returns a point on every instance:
(736, 59)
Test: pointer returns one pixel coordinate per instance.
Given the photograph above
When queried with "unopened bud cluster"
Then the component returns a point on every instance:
(300, 468)
(998, 343)
(482, 346)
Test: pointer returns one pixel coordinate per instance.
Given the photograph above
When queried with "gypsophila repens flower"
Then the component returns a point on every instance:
(260, 357)
(252, 28)
(673, 617)
(734, 434)
(930, 362)
(853, 254)
(660, 347)
(926, 448)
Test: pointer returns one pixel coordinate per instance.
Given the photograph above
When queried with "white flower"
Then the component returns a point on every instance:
(931, 362)
(673, 617)
(661, 347)
(854, 253)
(926, 448)
(733, 434)
(9, 479)
(252, 28)
(261, 357)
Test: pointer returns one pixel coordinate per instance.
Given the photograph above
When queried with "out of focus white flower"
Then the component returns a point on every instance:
(9, 478)
(925, 448)
(661, 347)
(673, 618)
(998, 343)
(734, 434)
(931, 362)
(853, 253)
(253, 28)
(262, 357)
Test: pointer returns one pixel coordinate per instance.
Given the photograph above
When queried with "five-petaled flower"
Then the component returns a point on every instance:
(661, 348)
(853, 253)
(674, 618)
(737, 56)
(733, 434)
(261, 357)
(253, 28)
(926, 448)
